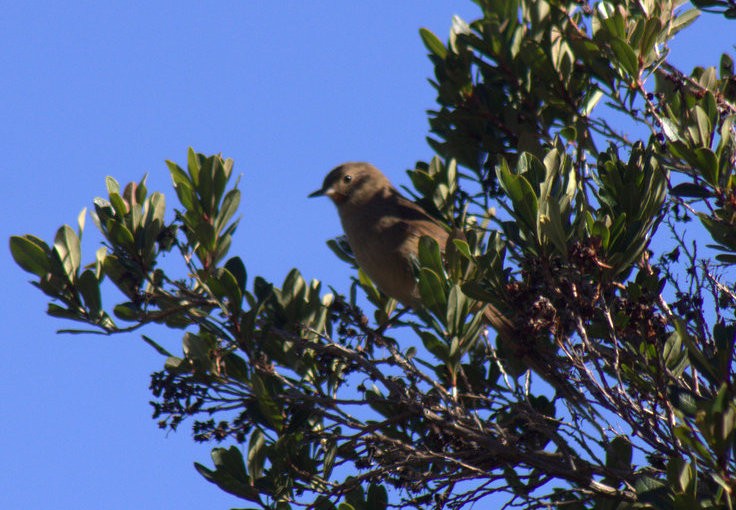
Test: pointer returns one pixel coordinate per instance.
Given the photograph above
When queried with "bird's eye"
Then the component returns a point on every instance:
(347, 178)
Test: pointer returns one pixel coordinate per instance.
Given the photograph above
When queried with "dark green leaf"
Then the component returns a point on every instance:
(197, 350)
(237, 269)
(266, 404)
(377, 497)
(55, 310)
(156, 346)
(691, 190)
(523, 197)
(229, 473)
(619, 453)
(435, 345)
(30, 255)
(707, 163)
(432, 291)
(89, 288)
(127, 312)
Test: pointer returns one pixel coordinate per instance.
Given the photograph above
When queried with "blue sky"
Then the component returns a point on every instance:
(115, 88)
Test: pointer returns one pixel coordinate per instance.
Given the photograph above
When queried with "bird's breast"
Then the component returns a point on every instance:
(384, 250)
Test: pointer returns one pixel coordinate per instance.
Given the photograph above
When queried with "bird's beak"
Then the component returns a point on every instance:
(337, 198)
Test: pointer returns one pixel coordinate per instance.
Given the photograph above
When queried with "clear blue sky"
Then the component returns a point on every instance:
(89, 89)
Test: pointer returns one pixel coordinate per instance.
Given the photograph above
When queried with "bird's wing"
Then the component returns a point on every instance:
(416, 222)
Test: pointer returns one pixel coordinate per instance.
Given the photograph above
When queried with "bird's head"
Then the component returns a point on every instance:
(353, 184)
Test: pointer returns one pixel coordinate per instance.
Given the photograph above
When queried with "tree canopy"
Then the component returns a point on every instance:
(582, 230)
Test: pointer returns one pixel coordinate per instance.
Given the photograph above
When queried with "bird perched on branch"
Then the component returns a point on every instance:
(383, 229)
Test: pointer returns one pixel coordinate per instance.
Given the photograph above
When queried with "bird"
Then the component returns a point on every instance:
(383, 229)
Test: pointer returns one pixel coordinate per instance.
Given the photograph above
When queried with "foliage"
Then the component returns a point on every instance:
(320, 407)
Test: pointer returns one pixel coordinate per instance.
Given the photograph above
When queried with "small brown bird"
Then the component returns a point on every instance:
(383, 229)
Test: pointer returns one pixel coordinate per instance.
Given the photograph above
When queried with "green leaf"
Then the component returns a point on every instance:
(674, 354)
(183, 186)
(619, 453)
(726, 258)
(522, 196)
(237, 269)
(89, 288)
(680, 474)
(592, 101)
(377, 497)
(432, 43)
(463, 248)
(219, 179)
(229, 206)
(551, 228)
(141, 191)
(121, 208)
(671, 130)
(66, 245)
(224, 285)
(430, 255)
(176, 365)
(653, 491)
(204, 187)
(156, 209)
(434, 345)
(127, 312)
(626, 57)
(457, 310)
(652, 31)
(197, 350)
(684, 401)
(432, 291)
(268, 407)
(193, 166)
(30, 255)
(294, 288)
(230, 474)
(257, 452)
(684, 19)
(329, 460)
(340, 247)
(237, 368)
(156, 346)
(698, 359)
(205, 235)
(120, 236)
(707, 163)
(112, 185)
(691, 190)
(80, 222)
(704, 126)
(55, 310)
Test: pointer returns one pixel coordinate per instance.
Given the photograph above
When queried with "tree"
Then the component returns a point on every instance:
(316, 404)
